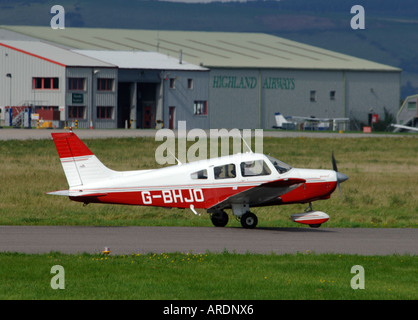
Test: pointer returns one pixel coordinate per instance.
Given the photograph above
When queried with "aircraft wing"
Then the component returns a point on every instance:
(310, 119)
(404, 127)
(319, 119)
(262, 193)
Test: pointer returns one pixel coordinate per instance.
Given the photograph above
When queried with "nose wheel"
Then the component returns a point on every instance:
(249, 220)
(310, 209)
(310, 217)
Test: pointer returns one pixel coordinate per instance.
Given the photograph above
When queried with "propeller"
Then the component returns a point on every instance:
(340, 176)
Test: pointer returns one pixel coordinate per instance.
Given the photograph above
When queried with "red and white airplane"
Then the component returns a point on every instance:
(236, 182)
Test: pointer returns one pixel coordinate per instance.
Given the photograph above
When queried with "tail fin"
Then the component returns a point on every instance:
(80, 165)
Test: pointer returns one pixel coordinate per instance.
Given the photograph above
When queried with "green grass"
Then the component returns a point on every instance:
(382, 190)
(210, 276)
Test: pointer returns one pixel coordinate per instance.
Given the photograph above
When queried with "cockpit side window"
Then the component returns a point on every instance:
(254, 168)
(226, 171)
(280, 166)
(201, 174)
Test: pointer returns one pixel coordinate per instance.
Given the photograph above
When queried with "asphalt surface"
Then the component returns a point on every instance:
(25, 134)
(128, 240)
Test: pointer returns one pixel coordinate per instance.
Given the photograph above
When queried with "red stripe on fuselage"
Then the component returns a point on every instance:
(178, 198)
(205, 197)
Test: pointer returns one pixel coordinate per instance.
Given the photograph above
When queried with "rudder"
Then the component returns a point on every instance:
(80, 165)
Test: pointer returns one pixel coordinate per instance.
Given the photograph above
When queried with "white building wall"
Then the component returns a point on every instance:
(234, 98)
(23, 68)
(372, 92)
(249, 98)
(289, 92)
(73, 96)
(91, 97)
(105, 98)
(183, 98)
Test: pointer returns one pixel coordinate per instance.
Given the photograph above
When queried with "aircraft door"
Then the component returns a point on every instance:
(225, 175)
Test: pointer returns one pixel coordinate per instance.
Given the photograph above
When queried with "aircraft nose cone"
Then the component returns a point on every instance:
(341, 177)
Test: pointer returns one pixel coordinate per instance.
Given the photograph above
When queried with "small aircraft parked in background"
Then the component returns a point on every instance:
(238, 182)
(308, 123)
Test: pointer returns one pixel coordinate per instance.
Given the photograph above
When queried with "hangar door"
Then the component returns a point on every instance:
(137, 104)
(124, 104)
(147, 100)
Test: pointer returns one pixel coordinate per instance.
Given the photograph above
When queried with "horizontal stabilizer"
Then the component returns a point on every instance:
(90, 195)
(60, 193)
(76, 194)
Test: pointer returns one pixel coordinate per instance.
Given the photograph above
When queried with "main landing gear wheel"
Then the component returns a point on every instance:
(219, 218)
(249, 220)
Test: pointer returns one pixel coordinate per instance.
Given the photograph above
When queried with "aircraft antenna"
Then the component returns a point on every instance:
(251, 151)
(178, 161)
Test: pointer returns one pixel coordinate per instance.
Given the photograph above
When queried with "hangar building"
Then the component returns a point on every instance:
(248, 76)
(101, 89)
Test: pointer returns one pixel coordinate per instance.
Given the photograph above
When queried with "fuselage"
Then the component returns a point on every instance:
(199, 183)
(235, 182)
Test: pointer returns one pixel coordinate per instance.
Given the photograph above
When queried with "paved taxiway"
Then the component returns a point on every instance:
(25, 134)
(128, 240)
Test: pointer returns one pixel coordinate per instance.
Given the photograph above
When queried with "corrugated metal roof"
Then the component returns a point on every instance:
(209, 49)
(140, 60)
(53, 54)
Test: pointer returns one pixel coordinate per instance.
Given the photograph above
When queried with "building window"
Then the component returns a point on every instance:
(76, 112)
(172, 83)
(48, 108)
(45, 83)
(104, 113)
(313, 95)
(104, 84)
(412, 105)
(332, 95)
(200, 108)
(189, 83)
(76, 84)
(37, 83)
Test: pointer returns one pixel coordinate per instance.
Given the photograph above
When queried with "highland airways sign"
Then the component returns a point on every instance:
(245, 82)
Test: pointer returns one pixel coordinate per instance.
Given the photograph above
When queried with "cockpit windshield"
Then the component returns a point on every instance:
(280, 166)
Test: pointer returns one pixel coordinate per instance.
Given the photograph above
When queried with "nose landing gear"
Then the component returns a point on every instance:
(310, 217)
